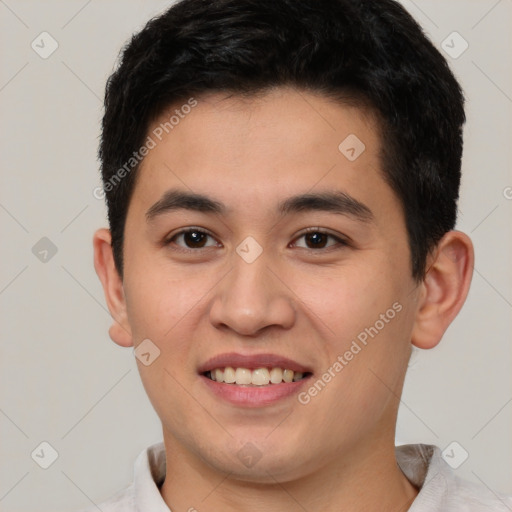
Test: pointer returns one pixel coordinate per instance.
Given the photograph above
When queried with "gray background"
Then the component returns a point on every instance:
(64, 382)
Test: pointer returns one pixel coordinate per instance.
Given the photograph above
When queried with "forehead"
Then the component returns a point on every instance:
(254, 150)
(269, 126)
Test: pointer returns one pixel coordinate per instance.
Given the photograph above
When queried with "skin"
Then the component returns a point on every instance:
(294, 300)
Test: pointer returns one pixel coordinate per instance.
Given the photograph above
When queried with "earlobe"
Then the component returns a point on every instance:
(112, 283)
(444, 288)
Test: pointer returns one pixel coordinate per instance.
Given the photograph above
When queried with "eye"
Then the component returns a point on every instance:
(316, 238)
(192, 238)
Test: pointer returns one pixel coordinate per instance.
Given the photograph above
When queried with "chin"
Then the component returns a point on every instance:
(261, 462)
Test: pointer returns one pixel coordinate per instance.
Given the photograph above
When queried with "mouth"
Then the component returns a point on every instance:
(253, 381)
(254, 378)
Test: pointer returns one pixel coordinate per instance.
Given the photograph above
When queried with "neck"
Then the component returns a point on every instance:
(367, 478)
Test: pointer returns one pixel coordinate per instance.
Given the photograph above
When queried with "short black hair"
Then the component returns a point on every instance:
(369, 51)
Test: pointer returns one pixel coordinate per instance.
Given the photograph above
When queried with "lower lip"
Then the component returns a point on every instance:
(253, 396)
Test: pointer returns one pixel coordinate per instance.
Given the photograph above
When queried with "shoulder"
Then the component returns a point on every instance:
(440, 488)
(143, 493)
(463, 496)
(122, 501)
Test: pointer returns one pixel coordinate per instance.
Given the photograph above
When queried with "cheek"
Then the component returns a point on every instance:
(160, 297)
(346, 300)
(366, 318)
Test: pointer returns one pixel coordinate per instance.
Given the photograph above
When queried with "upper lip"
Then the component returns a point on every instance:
(251, 362)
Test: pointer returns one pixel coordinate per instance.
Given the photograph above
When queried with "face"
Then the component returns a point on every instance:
(295, 257)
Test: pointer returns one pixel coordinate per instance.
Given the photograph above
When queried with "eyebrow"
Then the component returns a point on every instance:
(330, 201)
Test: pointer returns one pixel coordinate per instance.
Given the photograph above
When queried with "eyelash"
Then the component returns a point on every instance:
(341, 242)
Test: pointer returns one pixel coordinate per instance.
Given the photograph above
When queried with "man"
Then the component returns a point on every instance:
(282, 180)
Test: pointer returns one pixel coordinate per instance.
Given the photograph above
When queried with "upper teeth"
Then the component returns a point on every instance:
(257, 377)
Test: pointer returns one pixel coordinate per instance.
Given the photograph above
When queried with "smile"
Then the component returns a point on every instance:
(256, 377)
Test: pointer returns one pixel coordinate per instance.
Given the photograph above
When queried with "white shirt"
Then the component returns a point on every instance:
(441, 490)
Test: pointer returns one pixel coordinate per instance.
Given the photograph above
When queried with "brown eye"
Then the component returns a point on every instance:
(318, 239)
(191, 238)
(194, 239)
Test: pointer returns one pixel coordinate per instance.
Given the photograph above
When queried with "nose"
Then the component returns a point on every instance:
(251, 298)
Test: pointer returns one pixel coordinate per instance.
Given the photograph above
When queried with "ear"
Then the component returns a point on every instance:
(444, 288)
(120, 331)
